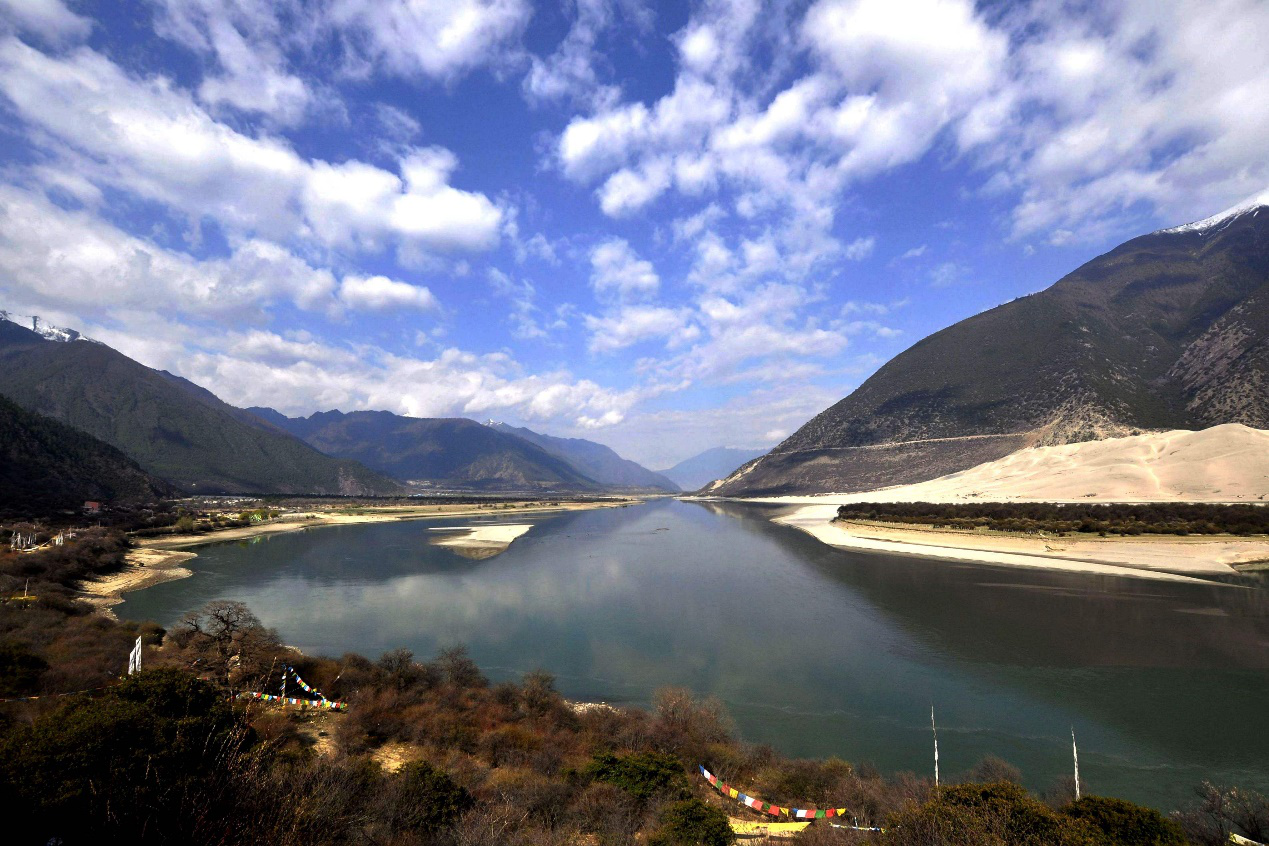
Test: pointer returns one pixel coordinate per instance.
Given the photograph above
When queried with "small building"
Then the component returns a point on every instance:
(92, 506)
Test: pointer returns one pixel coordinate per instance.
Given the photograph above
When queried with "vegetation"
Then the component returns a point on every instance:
(1164, 518)
(171, 427)
(47, 466)
(432, 752)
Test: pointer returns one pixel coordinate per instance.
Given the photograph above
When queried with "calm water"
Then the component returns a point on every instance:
(814, 650)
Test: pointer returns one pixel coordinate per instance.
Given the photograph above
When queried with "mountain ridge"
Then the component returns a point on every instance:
(172, 428)
(599, 462)
(444, 452)
(1169, 330)
(46, 465)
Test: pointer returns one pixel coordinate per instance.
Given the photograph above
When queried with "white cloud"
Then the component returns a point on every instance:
(71, 260)
(379, 293)
(860, 248)
(1128, 111)
(148, 138)
(440, 39)
(243, 38)
(617, 271)
(915, 252)
(632, 324)
(50, 19)
(569, 72)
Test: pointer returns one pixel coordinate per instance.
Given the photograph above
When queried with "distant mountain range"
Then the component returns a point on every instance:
(172, 428)
(457, 453)
(597, 461)
(447, 452)
(698, 471)
(49, 466)
(1167, 331)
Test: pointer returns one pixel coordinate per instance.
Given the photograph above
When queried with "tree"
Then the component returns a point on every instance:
(229, 639)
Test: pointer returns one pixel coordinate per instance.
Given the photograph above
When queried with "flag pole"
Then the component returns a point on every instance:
(1075, 755)
(935, 730)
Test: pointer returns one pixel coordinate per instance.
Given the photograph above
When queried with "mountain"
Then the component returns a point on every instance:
(698, 471)
(48, 466)
(1167, 331)
(171, 427)
(447, 452)
(597, 461)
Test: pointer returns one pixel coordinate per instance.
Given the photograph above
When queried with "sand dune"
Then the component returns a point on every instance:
(1228, 463)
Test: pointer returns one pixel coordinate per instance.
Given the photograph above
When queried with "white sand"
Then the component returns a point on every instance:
(481, 540)
(1227, 463)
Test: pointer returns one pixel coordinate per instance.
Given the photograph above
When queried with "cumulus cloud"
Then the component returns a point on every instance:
(379, 293)
(146, 137)
(630, 324)
(71, 260)
(617, 271)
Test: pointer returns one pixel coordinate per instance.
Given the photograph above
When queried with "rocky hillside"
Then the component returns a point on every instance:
(172, 428)
(48, 466)
(446, 453)
(1167, 331)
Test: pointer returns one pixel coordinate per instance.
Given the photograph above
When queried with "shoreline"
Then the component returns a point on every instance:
(153, 561)
(390, 514)
(1175, 559)
(143, 568)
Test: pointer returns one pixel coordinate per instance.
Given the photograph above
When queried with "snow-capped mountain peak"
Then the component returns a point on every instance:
(43, 328)
(1254, 205)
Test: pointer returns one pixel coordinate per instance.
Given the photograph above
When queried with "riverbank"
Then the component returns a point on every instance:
(301, 520)
(1188, 559)
(156, 560)
(143, 568)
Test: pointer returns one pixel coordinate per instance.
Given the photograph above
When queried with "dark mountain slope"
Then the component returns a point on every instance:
(594, 460)
(1169, 330)
(47, 466)
(171, 427)
(694, 473)
(445, 452)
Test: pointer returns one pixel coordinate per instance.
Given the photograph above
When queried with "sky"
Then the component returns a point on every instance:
(663, 227)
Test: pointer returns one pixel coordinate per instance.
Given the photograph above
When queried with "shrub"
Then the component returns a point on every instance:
(426, 800)
(999, 814)
(692, 823)
(1125, 823)
(642, 775)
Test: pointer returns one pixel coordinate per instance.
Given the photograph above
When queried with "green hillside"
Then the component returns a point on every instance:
(48, 466)
(170, 427)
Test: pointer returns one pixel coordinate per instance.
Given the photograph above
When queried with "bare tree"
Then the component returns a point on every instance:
(229, 640)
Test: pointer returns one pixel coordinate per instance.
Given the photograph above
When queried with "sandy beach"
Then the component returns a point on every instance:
(1170, 559)
(155, 560)
(144, 567)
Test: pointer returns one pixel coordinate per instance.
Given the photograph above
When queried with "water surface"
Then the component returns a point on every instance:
(815, 650)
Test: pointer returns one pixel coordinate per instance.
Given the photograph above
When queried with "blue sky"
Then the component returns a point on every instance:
(663, 227)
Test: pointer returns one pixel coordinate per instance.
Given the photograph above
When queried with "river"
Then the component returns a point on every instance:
(814, 650)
